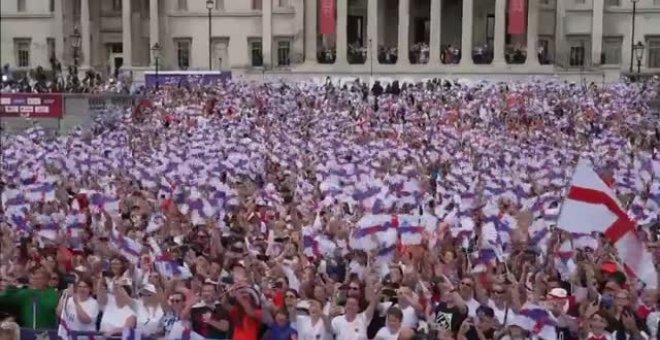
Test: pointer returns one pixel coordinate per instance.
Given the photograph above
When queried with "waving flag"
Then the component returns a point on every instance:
(127, 247)
(539, 321)
(591, 206)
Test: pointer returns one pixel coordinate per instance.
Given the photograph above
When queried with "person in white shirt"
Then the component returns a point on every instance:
(118, 313)
(316, 326)
(393, 325)
(78, 311)
(149, 311)
(353, 325)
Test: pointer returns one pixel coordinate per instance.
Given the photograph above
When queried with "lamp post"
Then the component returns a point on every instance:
(75, 46)
(639, 54)
(632, 36)
(209, 6)
(371, 60)
(155, 52)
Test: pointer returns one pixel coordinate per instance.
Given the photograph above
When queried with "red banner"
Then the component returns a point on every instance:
(327, 24)
(39, 105)
(517, 17)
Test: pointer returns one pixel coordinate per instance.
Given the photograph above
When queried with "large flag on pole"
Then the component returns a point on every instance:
(517, 17)
(591, 206)
(327, 23)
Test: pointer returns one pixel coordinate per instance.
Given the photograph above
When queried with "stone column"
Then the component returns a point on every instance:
(532, 33)
(298, 44)
(267, 32)
(404, 25)
(154, 28)
(126, 38)
(561, 54)
(58, 14)
(372, 32)
(597, 32)
(436, 24)
(341, 39)
(466, 32)
(500, 31)
(311, 32)
(85, 36)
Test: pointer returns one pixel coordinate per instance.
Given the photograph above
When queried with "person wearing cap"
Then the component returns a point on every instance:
(149, 311)
(558, 304)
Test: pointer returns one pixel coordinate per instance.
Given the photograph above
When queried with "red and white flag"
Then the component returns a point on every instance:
(591, 206)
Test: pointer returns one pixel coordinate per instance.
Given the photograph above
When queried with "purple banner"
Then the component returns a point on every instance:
(184, 78)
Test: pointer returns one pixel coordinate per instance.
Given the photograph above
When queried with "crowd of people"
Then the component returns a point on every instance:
(318, 211)
(40, 80)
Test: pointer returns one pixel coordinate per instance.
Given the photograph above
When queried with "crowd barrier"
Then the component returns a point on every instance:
(51, 334)
(57, 113)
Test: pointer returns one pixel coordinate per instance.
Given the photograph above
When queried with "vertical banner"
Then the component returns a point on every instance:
(517, 17)
(327, 17)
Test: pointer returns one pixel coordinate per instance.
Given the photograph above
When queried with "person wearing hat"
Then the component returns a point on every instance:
(149, 311)
(557, 301)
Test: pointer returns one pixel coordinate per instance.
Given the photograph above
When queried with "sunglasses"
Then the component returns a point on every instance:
(354, 288)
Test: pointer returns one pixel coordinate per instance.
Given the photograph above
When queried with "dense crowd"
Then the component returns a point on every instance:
(40, 80)
(306, 211)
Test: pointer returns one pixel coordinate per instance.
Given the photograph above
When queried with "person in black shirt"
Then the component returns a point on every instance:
(450, 313)
(484, 323)
(208, 317)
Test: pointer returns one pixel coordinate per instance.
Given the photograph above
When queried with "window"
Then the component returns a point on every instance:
(283, 52)
(546, 2)
(256, 5)
(577, 55)
(219, 5)
(183, 53)
(612, 2)
(22, 50)
(283, 3)
(50, 46)
(51, 6)
(656, 2)
(256, 54)
(653, 46)
(20, 5)
(116, 5)
(76, 8)
(580, 2)
(611, 50)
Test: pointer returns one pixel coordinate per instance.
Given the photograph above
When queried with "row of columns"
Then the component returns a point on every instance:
(127, 41)
(435, 31)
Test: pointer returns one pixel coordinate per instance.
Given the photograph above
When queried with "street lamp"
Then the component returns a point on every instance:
(632, 39)
(75, 45)
(209, 5)
(371, 60)
(639, 54)
(155, 52)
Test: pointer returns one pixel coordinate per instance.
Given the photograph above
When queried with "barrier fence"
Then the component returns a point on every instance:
(51, 334)
(56, 113)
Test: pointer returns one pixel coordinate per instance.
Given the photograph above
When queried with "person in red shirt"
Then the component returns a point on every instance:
(245, 316)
